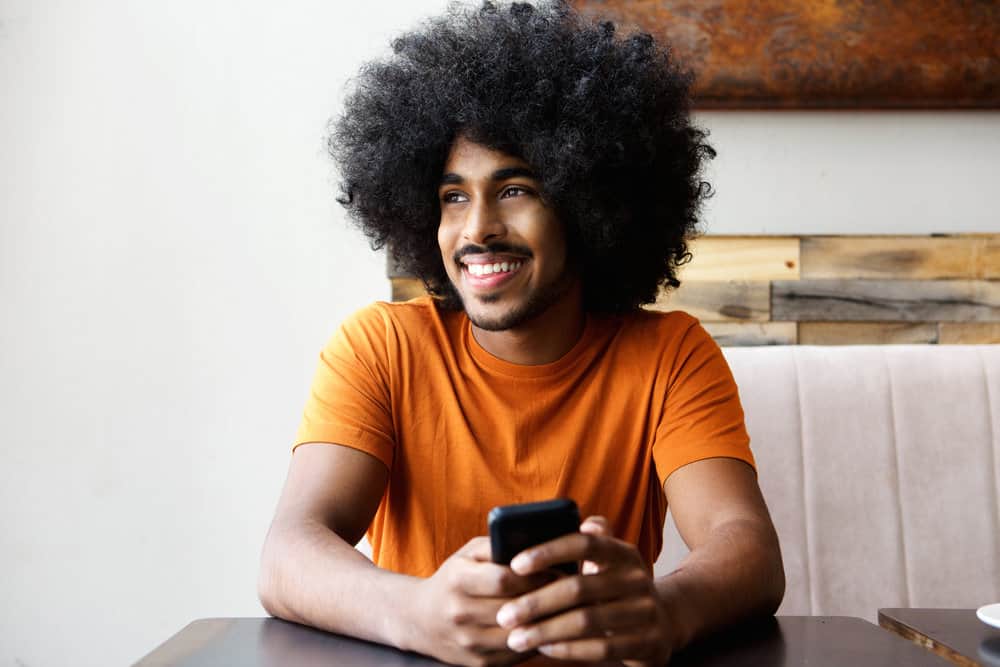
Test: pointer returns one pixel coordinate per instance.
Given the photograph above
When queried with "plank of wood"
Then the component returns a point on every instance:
(900, 257)
(886, 300)
(969, 333)
(752, 334)
(742, 258)
(719, 301)
(404, 289)
(867, 333)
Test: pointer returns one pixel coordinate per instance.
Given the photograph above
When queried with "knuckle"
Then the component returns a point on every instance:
(465, 639)
(637, 577)
(587, 622)
(455, 612)
(575, 586)
(648, 607)
(502, 580)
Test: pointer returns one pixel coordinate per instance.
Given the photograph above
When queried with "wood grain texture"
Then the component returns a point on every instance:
(826, 53)
(730, 301)
(923, 641)
(886, 300)
(969, 333)
(900, 257)
(743, 258)
(867, 333)
(738, 334)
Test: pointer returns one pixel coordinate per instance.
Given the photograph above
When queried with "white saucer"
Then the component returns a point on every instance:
(990, 614)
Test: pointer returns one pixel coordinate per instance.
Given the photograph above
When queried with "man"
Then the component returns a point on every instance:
(542, 176)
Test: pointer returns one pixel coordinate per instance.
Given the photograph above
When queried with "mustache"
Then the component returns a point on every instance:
(498, 248)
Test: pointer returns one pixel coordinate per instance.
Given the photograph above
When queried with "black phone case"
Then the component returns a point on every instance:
(514, 528)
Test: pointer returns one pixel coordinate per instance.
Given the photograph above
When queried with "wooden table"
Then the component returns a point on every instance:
(818, 641)
(955, 634)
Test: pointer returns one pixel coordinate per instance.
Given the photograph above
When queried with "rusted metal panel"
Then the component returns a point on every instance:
(826, 53)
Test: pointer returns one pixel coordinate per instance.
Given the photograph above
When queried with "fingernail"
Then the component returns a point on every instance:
(520, 562)
(518, 640)
(545, 649)
(506, 616)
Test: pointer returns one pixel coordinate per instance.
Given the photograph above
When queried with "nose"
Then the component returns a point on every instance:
(482, 222)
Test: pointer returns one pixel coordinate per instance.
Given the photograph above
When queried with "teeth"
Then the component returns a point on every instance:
(488, 269)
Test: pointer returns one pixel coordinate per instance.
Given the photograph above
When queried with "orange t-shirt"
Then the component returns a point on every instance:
(462, 431)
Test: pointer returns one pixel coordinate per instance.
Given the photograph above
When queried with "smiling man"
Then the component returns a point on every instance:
(541, 175)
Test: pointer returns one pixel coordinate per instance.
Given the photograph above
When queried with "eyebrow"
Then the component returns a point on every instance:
(503, 174)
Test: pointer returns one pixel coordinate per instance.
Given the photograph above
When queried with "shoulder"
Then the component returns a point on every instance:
(386, 323)
(672, 341)
(660, 329)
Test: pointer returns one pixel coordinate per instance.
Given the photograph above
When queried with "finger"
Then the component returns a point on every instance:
(499, 581)
(481, 640)
(600, 549)
(478, 548)
(595, 525)
(582, 622)
(480, 612)
(616, 647)
(570, 592)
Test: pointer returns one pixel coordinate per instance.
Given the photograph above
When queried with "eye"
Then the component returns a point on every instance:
(513, 191)
(453, 197)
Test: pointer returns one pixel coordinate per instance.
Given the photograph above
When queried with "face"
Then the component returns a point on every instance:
(502, 246)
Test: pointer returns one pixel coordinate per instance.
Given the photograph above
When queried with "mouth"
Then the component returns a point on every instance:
(490, 271)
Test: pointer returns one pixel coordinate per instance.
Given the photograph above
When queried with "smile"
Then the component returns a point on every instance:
(496, 267)
(480, 273)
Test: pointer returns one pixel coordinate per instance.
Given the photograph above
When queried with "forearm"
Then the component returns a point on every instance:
(736, 574)
(310, 575)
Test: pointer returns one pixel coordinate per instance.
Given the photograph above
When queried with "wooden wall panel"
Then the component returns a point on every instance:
(900, 257)
(867, 333)
(968, 333)
(746, 334)
(886, 300)
(717, 301)
(742, 258)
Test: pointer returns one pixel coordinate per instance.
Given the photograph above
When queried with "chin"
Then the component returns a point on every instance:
(490, 314)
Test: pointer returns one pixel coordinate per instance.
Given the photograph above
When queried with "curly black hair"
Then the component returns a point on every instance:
(602, 119)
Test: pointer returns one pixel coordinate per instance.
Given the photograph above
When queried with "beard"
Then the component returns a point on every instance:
(536, 304)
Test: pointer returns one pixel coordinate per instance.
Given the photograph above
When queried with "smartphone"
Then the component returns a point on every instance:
(514, 528)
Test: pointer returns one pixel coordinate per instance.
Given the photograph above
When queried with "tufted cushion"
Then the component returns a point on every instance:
(881, 467)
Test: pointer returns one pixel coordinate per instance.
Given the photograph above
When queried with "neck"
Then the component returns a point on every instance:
(543, 339)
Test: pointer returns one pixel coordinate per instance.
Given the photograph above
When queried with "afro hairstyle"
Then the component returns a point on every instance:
(602, 119)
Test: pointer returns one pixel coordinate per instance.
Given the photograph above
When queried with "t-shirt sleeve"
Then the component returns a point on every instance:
(702, 416)
(349, 400)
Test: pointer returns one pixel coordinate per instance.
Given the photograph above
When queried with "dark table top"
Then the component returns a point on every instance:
(955, 634)
(817, 641)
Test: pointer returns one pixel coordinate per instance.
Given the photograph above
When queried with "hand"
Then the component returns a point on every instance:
(609, 612)
(455, 609)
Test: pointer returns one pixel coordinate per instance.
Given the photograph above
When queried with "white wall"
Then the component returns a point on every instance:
(171, 260)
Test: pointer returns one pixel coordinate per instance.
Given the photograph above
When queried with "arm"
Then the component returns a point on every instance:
(733, 572)
(330, 496)
(311, 574)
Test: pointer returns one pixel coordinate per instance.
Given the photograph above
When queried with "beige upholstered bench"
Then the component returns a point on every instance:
(881, 468)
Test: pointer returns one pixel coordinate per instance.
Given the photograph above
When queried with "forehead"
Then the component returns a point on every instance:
(473, 160)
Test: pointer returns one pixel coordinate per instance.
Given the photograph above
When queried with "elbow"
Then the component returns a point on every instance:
(268, 581)
(775, 589)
